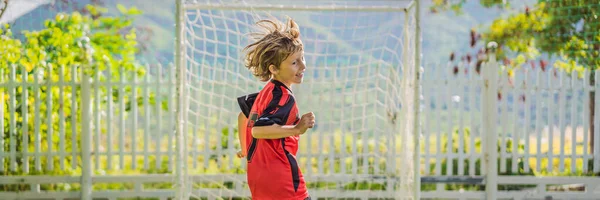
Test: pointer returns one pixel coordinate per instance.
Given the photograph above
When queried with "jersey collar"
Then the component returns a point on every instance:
(279, 83)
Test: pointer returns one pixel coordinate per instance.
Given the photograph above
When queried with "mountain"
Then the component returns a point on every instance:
(442, 32)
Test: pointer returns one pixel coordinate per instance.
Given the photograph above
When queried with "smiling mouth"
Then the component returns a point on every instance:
(300, 75)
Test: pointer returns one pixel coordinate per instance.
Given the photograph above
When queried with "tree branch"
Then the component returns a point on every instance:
(3, 10)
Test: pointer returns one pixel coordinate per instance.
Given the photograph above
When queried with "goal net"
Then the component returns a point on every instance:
(360, 82)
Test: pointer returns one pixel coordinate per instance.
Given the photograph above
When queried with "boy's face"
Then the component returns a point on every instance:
(292, 69)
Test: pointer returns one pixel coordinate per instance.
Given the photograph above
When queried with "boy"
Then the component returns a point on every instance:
(269, 120)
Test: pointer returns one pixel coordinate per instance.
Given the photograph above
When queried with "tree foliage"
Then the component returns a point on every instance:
(92, 43)
(567, 31)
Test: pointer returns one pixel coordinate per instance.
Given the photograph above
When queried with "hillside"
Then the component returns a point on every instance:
(442, 32)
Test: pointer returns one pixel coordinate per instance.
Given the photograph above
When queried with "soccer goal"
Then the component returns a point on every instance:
(361, 82)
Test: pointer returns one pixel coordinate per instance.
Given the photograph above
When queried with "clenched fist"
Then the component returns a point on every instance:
(241, 154)
(306, 121)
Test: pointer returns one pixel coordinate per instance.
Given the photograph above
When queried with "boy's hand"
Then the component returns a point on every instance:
(241, 154)
(306, 121)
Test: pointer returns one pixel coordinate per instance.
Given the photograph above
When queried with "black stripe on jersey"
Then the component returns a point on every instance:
(293, 166)
(245, 102)
(288, 108)
(252, 148)
(275, 114)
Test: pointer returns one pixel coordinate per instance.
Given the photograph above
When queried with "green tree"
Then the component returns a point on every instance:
(566, 30)
(69, 43)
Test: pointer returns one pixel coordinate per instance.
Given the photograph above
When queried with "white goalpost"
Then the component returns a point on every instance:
(361, 81)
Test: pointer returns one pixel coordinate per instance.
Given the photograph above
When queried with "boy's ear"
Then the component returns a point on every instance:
(273, 69)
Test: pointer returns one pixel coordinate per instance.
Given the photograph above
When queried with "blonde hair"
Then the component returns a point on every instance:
(273, 46)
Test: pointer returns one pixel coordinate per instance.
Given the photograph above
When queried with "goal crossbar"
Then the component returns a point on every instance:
(404, 7)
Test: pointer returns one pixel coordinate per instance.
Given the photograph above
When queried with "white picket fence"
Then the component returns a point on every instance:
(541, 119)
(536, 111)
(94, 129)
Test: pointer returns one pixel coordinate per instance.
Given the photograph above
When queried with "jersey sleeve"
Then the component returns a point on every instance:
(278, 109)
(245, 102)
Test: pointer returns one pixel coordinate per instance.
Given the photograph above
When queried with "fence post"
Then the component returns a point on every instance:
(489, 112)
(86, 138)
(596, 117)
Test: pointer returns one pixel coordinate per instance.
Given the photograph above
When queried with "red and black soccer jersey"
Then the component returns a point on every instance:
(273, 171)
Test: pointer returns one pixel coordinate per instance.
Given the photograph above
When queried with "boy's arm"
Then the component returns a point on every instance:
(242, 134)
(274, 131)
(245, 102)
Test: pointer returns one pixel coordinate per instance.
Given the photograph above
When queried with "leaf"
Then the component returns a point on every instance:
(134, 11)
(76, 18)
(59, 17)
(122, 8)
(131, 35)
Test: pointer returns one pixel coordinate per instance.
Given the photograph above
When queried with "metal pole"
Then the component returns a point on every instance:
(258, 7)
(416, 104)
(180, 186)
